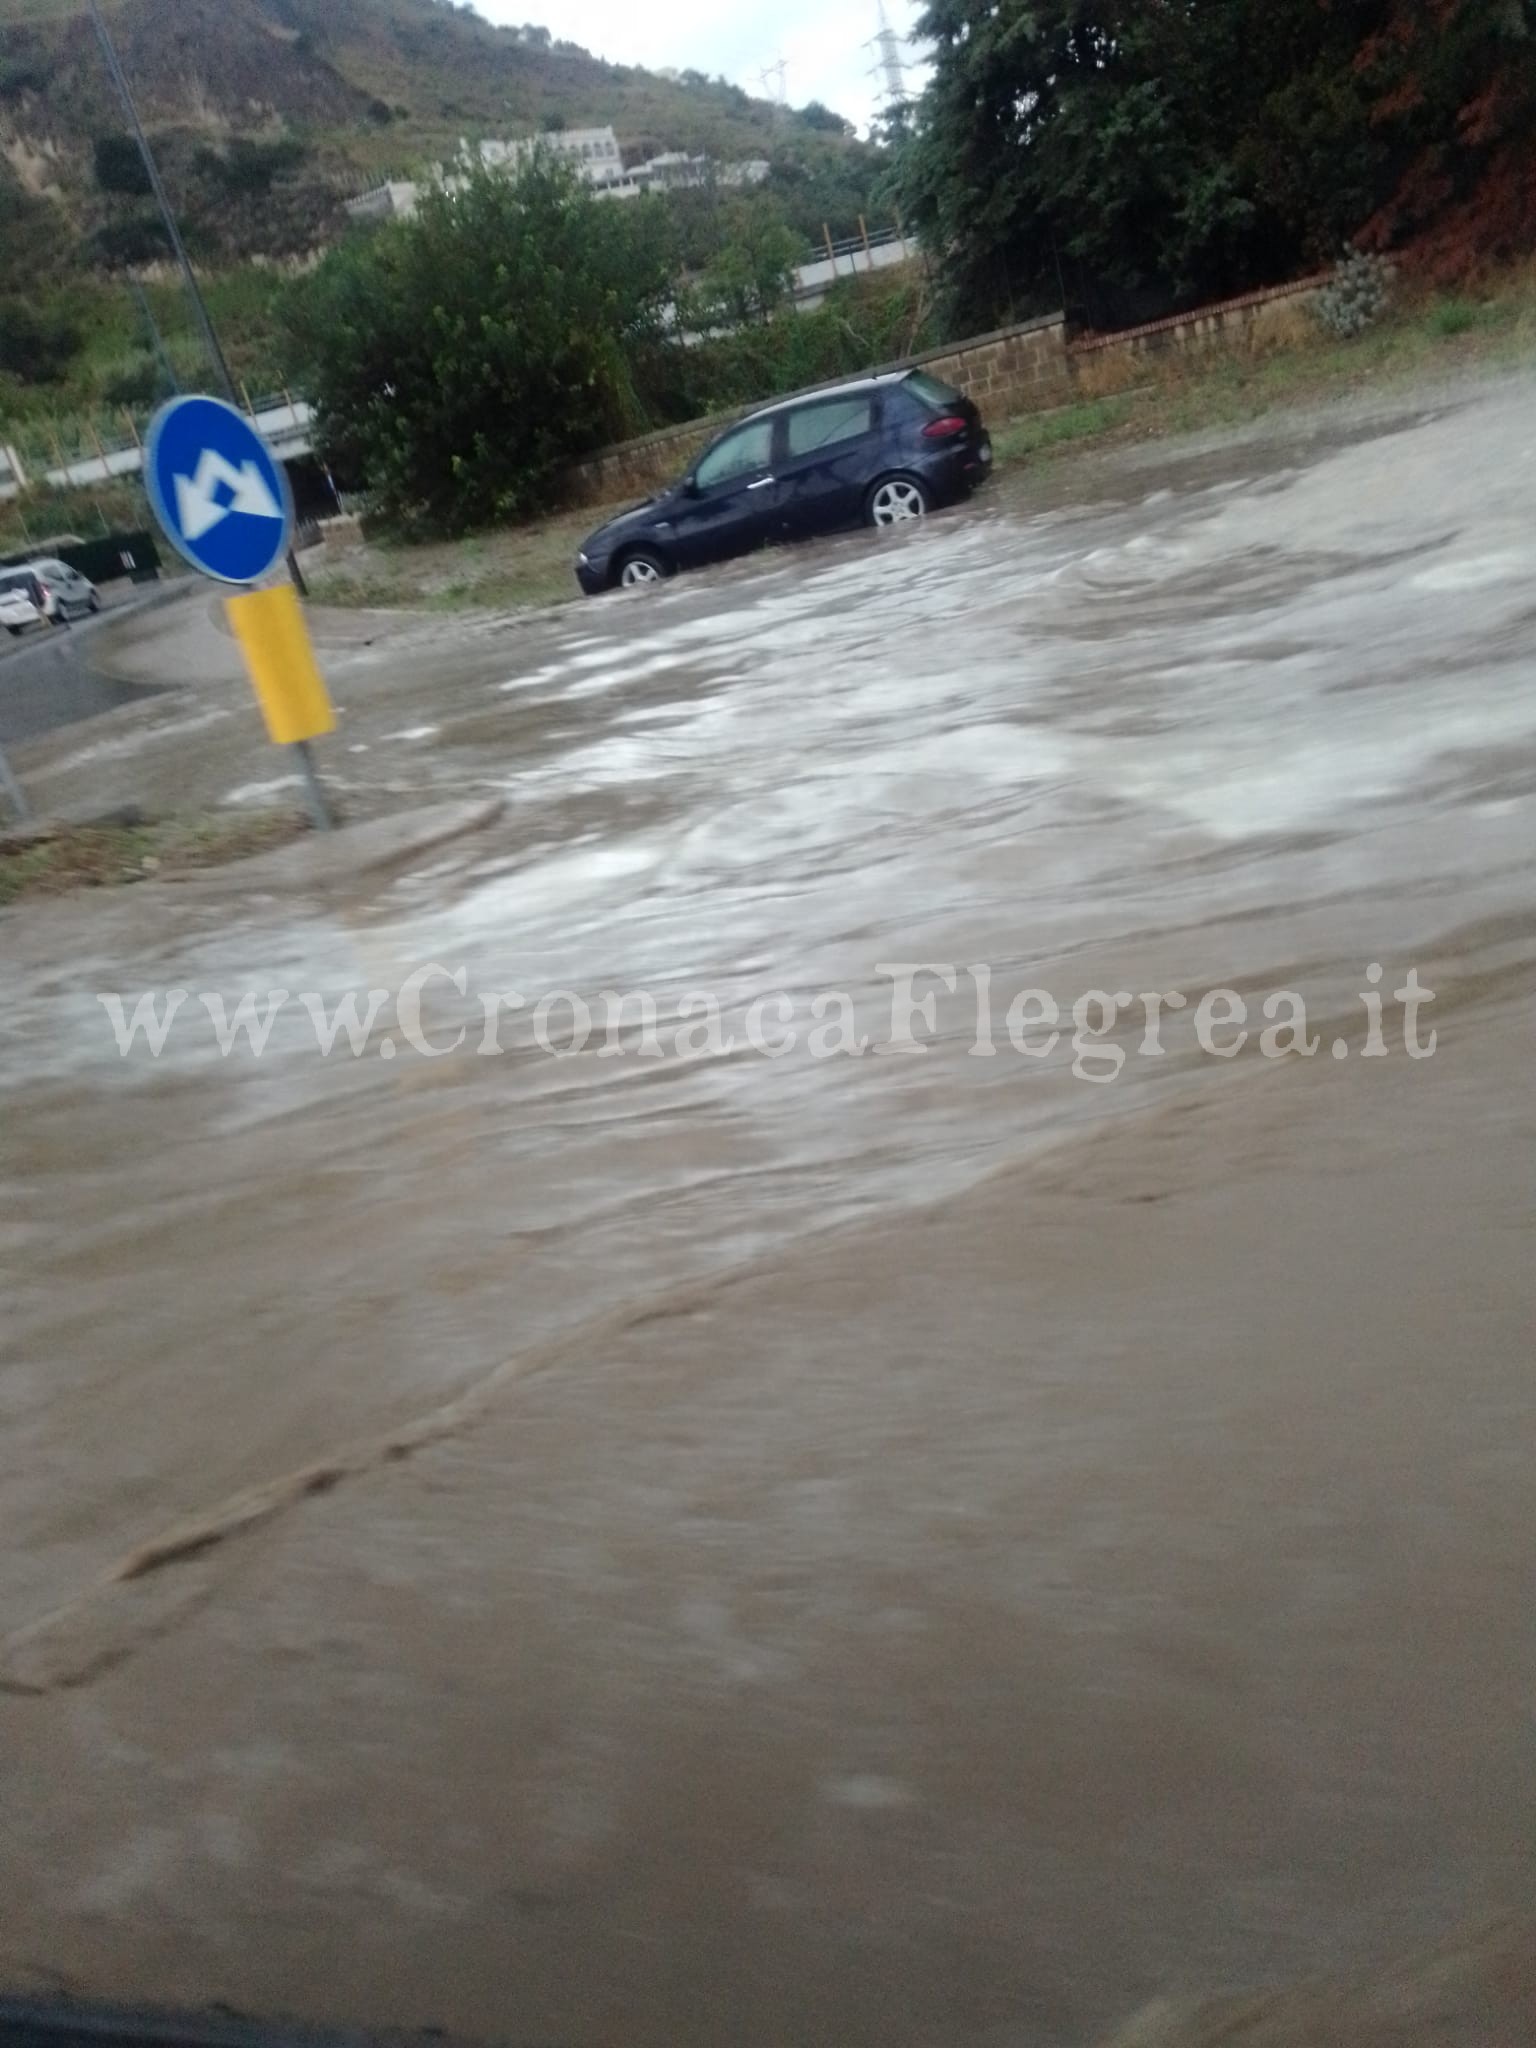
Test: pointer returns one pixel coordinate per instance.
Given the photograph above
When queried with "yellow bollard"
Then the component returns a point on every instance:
(280, 658)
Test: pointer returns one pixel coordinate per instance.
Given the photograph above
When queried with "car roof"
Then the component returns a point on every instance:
(854, 387)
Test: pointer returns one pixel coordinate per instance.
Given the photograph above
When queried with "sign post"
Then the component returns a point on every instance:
(222, 497)
(13, 790)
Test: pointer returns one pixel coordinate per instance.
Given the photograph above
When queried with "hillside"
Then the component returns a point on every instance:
(268, 113)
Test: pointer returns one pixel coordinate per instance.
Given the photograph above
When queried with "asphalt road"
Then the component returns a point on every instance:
(632, 1502)
(48, 677)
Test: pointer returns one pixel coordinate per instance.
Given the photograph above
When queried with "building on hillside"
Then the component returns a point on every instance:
(593, 152)
(396, 199)
(671, 171)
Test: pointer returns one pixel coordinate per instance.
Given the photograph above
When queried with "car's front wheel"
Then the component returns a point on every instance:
(641, 566)
(894, 500)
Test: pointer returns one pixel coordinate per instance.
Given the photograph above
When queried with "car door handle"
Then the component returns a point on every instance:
(762, 480)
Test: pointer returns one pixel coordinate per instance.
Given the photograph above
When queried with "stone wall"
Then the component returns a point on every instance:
(1016, 369)
(1259, 321)
(633, 469)
(1026, 368)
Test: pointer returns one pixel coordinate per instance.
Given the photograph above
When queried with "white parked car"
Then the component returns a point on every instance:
(65, 592)
(19, 602)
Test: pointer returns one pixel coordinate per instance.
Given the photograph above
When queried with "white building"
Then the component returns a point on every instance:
(593, 152)
(397, 199)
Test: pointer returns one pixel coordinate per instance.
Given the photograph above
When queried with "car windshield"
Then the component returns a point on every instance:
(16, 583)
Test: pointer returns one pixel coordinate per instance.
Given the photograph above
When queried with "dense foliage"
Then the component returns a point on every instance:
(1129, 156)
(459, 358)
(865, 323)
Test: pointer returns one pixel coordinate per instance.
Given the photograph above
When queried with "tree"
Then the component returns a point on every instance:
(1132, 156)
(814, 115)
(751, 274)
(1451, 86)
(458, 360)
(1088, 148)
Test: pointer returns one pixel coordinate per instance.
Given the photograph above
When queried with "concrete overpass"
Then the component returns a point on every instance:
(283, 421)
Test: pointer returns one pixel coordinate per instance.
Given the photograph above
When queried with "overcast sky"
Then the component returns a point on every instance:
(821, 41)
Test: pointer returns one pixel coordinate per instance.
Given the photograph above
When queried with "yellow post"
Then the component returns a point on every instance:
(280, 659)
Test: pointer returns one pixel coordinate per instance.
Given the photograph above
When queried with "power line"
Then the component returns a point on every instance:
(162, 198)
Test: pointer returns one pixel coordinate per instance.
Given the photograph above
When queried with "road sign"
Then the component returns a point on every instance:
(217, 489)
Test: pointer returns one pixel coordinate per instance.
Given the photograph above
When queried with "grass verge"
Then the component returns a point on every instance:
(52, 860)
(513, 569)
(1431, 336)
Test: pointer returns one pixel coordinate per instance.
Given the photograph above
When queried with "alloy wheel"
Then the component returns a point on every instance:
(896, 500)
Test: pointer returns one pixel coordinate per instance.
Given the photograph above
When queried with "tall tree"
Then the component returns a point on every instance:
(1451, 86)
(1133, 155)
(460, 358)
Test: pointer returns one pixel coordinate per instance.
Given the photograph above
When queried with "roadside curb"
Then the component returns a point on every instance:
(328, 860)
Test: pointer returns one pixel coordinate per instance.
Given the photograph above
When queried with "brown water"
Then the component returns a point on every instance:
(1252, 717)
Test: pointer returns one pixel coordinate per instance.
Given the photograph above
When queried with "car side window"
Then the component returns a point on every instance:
(749, 448)
(821, 426)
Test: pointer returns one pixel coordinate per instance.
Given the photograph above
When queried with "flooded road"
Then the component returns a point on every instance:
(798, 1384)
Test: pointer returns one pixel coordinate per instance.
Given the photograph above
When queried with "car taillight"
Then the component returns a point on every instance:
(946, 428)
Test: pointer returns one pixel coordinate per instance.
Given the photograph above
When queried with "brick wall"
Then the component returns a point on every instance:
(632, 469)
(1017, 369)
(1278, 318)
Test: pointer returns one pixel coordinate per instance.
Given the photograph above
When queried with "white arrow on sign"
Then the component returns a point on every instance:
(198, 510)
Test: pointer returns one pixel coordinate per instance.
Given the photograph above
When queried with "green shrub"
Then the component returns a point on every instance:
(1450, 317)
(136, 238)
(861, 325)
(36, 347)
(119, 165)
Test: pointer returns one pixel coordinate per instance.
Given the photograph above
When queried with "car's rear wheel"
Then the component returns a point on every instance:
(14, 631)
(640, 566)
(894, 500)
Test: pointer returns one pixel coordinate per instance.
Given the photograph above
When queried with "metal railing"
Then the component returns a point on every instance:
(98, 449)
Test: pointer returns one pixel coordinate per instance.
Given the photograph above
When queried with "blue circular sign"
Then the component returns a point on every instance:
(217, 489)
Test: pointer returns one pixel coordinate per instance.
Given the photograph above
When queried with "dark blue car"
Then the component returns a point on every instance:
(874, 453)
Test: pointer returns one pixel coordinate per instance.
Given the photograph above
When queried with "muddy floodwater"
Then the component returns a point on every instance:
(857, 1522)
